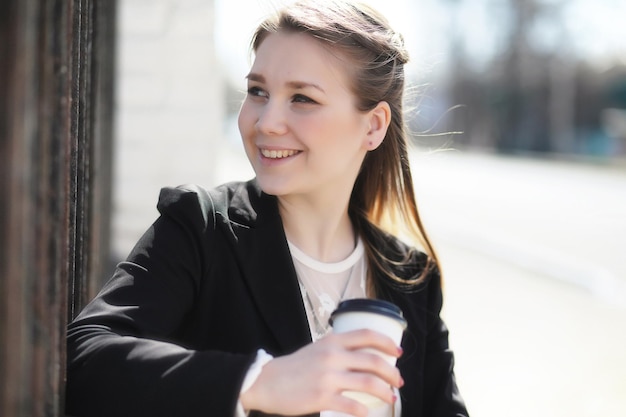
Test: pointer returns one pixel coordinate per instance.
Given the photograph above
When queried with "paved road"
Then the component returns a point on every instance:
(529, 345)
(533, 255)
(560, 219)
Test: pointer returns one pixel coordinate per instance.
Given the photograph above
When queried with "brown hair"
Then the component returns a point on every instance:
(383, 196)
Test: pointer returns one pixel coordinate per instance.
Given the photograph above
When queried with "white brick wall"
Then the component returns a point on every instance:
(169, 107)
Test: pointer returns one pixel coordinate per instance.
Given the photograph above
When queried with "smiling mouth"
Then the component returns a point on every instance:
(278, 154)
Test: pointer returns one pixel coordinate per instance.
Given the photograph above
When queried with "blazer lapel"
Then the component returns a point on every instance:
(268, 268)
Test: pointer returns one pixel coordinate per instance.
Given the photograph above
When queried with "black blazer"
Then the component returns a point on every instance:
(210, 282)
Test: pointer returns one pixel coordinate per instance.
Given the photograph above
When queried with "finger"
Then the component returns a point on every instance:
(363, 358)
(369, 384)
(366, 338)
(346, 405)
(371, 362)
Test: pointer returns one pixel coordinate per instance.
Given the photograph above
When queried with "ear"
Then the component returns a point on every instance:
(379, 119)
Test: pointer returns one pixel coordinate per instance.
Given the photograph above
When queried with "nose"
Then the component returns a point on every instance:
(272, 120)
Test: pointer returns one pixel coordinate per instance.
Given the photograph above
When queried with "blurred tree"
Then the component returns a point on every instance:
(617, 93)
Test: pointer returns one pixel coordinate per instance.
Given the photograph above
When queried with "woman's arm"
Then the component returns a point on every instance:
(125, 353)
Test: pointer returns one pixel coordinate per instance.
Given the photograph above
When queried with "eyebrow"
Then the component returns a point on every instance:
(292, 84)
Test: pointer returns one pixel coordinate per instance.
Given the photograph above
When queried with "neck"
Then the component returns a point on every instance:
(322, 231)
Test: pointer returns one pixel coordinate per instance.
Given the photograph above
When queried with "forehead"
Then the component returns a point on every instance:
(300, 57)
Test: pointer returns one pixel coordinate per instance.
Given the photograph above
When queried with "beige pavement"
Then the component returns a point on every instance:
(529, 345)
(533, 257)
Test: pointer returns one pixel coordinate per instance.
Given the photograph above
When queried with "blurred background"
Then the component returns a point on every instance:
(519, 121)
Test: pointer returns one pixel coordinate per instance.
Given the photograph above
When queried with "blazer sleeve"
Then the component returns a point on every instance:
(124, 357)
(441, 394)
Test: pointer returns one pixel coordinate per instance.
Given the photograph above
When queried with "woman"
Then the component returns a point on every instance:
(222, 307)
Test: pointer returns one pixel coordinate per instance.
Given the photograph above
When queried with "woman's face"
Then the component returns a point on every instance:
(300, 127)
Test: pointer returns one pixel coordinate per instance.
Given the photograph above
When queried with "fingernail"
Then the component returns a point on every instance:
(400, 350)
(401, 382)
(395, 398)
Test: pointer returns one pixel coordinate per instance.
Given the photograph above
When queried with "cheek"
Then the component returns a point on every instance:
(349, 129)
(307, 125)
(245, 121)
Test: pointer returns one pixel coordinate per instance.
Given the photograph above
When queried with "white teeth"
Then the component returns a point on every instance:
(274, 154)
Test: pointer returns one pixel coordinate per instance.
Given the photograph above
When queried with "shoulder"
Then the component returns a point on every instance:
(237, 201)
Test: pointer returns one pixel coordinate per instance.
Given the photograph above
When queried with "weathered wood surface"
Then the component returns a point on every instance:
(55, 156)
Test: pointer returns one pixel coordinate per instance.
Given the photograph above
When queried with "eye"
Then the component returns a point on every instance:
(257, 92)
(299, 98)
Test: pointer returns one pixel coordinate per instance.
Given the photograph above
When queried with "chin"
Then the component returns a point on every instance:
(273, 186)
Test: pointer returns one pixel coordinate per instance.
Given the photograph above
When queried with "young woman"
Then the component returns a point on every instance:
(222, 307)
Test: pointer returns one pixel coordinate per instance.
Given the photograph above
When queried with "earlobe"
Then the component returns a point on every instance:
(380, 117)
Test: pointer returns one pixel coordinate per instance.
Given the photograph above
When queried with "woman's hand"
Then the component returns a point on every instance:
(313, 378)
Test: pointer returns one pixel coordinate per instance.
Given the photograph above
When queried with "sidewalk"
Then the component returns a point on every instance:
(535, 275)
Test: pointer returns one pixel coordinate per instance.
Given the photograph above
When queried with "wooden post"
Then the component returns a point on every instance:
(55, 157)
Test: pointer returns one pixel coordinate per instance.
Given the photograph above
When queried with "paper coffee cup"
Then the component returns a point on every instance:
(378, 315)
